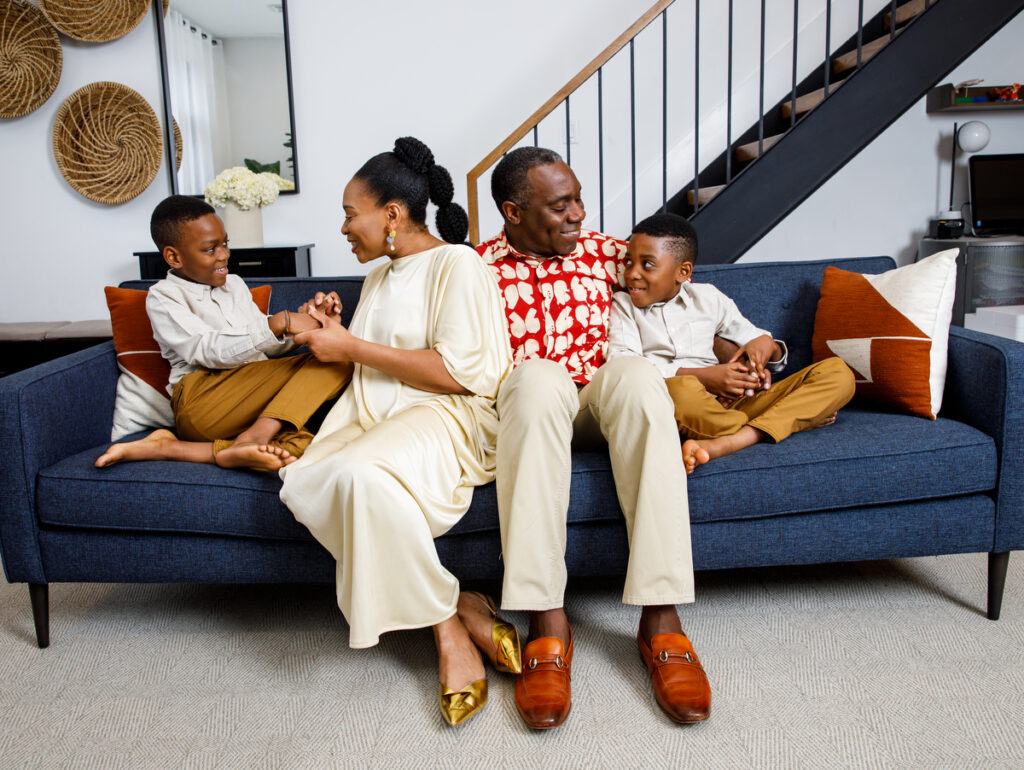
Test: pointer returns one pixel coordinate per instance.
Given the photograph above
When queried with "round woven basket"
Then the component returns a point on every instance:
(30, 58)
(107, 142)
(94, 21)
(177, 145)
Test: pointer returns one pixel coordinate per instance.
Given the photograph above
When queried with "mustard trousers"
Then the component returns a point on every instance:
(797, 403)
(216, 406)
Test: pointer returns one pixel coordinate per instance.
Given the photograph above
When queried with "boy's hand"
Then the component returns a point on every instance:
(329, 341)
(327, 304)
(727, 381)
(302, 322)
(758, 352)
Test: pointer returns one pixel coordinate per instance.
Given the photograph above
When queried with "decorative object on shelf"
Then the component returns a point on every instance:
(94, 21)
(30, 58)
(107, 142)
(970, 137)
(1006, 93)
(243, 193)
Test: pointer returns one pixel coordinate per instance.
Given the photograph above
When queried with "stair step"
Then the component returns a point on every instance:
(706, 194)
(807, 102)
(904, 13)
(848, 61)
(748, 151)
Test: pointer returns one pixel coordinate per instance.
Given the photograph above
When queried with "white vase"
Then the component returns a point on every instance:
(245, 228)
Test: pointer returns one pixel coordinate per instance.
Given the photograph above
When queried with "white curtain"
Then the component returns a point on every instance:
(195, 62)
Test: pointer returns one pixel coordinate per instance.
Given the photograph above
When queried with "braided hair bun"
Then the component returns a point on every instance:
(414, 154)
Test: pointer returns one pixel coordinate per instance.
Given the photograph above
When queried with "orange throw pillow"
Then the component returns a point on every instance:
(891, 330)
(142, 400)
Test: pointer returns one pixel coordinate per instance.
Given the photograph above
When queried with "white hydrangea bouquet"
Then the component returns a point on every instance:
(245, 189)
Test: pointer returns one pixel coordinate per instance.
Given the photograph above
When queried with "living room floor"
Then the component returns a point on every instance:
(873, 664)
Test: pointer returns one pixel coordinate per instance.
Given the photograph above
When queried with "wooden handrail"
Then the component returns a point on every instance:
(477, 171)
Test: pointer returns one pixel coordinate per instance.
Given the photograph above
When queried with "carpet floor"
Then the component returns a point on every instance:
(888, 664)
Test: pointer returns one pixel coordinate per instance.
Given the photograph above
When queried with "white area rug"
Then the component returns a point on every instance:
(873, 665)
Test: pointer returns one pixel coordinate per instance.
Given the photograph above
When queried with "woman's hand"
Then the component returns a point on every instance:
(329, 341)
(328, 304)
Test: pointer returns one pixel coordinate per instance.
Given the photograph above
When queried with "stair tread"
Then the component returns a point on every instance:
(809, 101)
(706, 193)
(904, 13)
(848, 61)
(748, 151)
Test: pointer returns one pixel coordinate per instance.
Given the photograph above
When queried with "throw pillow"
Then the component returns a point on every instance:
(141, 400)
(891, 329)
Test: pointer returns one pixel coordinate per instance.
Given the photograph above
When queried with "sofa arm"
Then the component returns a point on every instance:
(985, 389)
(47, 413)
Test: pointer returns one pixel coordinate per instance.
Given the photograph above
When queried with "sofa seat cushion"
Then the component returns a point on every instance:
(163, 497)
(867, 458)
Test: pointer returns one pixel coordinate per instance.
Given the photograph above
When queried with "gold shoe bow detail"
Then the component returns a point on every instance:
(459, 705)
(508, 656)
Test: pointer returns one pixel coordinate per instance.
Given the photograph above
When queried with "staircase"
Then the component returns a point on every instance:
(793, 145)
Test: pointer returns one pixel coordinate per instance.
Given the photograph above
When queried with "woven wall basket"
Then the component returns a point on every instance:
(107, 142)
(94, 21)
(30, 58)
(177, 145)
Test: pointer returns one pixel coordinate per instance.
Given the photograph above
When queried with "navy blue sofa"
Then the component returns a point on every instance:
(875, 485)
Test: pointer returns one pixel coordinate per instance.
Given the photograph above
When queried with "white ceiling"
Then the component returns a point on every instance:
(234, 18)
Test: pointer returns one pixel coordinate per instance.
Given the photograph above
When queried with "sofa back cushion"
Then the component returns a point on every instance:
(783, 296)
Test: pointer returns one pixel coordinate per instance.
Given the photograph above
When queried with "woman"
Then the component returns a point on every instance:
(396, 460)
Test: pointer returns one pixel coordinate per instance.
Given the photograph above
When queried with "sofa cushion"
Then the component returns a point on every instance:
(866, 458)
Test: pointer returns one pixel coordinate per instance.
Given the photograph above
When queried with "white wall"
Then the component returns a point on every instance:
(458, 74)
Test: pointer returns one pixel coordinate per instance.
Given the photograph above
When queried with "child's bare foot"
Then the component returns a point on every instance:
(693, 455)
(259, 457)
(827, 421)
(148, 448)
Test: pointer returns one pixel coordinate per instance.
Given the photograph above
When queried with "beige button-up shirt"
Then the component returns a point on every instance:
(680, 333)
(206, 327)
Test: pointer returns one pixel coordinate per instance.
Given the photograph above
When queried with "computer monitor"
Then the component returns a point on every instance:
(997, 194)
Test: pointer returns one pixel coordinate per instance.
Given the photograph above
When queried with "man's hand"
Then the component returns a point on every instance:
(328, 304)
(758, 352)
(329, 341)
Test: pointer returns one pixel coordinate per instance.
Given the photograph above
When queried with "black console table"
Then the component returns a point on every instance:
(266, 262)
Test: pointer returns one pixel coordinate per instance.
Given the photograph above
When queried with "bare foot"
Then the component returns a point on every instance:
(258, 457)
(827, 421)
(693, 455)
(458, 660)
(148, 448)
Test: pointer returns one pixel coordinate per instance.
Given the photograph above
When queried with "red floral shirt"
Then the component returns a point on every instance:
(558, 308)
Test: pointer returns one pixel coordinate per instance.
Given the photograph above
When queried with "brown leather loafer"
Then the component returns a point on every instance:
(680, 684)
(543, 694)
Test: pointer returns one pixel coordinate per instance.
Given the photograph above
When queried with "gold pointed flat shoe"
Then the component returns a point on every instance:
(459, 705)
(508, 655)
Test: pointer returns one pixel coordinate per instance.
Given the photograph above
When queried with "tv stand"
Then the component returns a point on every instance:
(989, 271)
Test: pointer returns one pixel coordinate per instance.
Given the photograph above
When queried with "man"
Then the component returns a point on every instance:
(557, 281)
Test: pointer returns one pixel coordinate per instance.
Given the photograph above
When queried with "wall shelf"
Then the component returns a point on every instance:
(940, 99)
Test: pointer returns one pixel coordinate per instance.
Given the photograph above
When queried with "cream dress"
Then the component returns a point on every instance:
(393, 466)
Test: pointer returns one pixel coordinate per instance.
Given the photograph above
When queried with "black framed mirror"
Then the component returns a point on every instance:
(227, 87)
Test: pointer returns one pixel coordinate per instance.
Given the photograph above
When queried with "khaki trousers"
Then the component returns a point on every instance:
(218, 405)
(627, 408)
(797, 403)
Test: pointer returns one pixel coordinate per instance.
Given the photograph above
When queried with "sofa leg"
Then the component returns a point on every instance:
(997, 563)
(40, 595)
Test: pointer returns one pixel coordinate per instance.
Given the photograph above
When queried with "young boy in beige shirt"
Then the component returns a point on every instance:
(720, 408)
(235, 402)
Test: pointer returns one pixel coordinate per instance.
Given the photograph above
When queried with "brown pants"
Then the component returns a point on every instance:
(218, 405)
(797, 403)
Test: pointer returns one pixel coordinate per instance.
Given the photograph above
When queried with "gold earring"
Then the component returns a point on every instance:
(391, 239)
